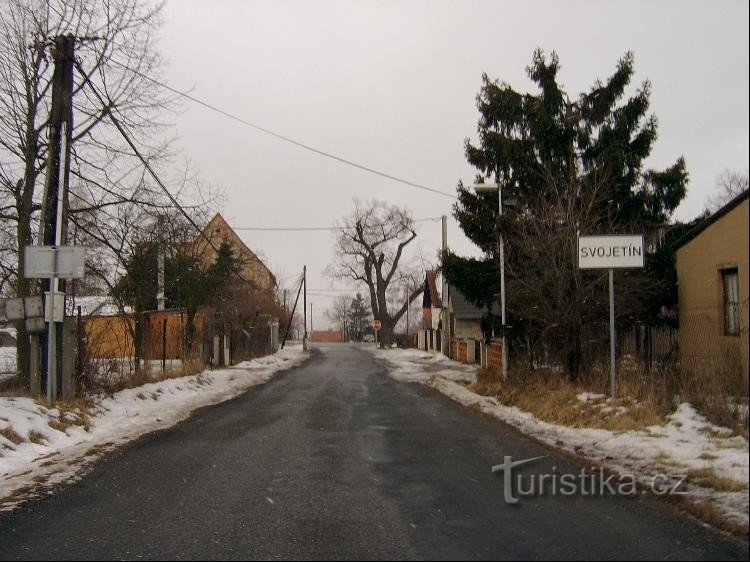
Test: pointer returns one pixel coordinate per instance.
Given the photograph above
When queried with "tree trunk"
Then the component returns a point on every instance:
(23, 285)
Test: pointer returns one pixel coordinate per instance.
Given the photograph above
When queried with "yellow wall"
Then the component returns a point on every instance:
(722, 245)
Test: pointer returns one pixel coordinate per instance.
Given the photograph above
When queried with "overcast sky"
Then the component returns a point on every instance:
(392, 85)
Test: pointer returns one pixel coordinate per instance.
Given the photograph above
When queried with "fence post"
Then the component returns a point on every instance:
(69, 353)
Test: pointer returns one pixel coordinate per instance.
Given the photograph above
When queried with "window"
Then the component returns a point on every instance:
(731, 284)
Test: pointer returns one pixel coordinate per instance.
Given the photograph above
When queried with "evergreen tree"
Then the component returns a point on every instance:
(569, 165)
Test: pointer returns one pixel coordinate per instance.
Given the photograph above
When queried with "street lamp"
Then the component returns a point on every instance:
(490, 188)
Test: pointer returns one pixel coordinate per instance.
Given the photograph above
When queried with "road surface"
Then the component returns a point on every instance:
(335, 460)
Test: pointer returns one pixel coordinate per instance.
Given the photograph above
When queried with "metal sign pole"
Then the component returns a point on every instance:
(52, 339)
(612, 363)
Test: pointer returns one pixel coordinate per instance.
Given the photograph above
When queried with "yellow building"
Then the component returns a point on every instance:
(252, 268)
(712, 277)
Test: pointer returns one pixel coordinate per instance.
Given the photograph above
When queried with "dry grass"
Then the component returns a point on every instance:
(58, 425)
(645, 397)
(709, 513)
(707, 478)
(554, 398)
(37, 438)
(10, 434)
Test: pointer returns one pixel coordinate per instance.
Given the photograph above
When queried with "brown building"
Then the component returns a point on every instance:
(328, 336)
(252, 268)
(431, 303)
(712, 277)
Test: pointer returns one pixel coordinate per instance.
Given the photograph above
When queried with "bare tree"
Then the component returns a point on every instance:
(729, 185)
(339, 313)
(115, 56)
(369, 249)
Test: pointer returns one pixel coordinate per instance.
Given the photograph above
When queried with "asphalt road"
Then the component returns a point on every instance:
(334, 460)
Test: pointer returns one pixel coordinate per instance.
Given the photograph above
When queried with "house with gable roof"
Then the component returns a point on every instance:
(252, 268)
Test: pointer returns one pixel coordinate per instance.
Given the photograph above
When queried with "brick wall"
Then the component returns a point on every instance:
(495, 355)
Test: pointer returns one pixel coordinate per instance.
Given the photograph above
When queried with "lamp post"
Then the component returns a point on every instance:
(489, 188)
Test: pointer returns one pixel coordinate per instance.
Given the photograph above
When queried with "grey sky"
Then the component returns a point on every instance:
(392, 85)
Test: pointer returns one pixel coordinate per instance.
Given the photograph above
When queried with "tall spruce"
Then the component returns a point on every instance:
(567, 165)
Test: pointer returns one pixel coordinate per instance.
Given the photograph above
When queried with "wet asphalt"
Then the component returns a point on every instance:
(335, 460)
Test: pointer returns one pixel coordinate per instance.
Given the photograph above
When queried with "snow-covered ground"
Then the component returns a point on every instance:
(7, 352)
(94, 306)
(40, 447)
(685, 444)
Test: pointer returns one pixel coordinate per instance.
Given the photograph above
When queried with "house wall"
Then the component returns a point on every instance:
(328, 336)
(464, 329)
(251, 267)
(110, 336)
(722, 245)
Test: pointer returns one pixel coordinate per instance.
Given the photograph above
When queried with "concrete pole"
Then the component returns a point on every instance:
(612, 361)
(444, 288)
(502, 282)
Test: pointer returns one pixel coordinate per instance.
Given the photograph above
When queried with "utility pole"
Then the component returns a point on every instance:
(57, 183)
(446, 320)
(502, 282)
(304, 307)
(160, 264)
(487, 188)
(407, 312)
(311, 320)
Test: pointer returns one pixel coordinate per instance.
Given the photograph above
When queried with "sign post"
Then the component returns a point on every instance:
(611, 252)
(54, 262)
(376, 325)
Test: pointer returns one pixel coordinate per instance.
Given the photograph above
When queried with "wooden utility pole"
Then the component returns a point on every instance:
(54, 217)
(160, 300)
(55, 204)
(304, 306)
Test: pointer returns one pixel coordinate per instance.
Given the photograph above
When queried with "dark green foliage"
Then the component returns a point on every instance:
(570, 165)
(186, 283)
(360, 318)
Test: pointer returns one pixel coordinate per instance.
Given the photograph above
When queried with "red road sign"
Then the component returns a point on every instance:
(376, 325)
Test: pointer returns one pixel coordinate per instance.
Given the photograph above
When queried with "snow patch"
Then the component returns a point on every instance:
(686, 442)
(46, 446)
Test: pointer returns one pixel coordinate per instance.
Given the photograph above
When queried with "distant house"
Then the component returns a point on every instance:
(466, 318)
(712, 277)
(252, 268)
(429, 336)
(431, 303)
(467, 337)
(328, 336)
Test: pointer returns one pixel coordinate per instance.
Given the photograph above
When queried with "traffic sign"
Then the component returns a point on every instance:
(376, 325)
(66, 262)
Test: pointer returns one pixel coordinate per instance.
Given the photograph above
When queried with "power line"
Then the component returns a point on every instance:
(310, 228)
(283, 137)
(148, 167)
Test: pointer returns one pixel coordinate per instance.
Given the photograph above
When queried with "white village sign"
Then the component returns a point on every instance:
(611, 252)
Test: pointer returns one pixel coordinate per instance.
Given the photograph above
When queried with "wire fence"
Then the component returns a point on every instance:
(126, 350)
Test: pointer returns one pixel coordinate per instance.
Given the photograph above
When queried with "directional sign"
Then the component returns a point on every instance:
(66, 262)
(610, 252)
(376, 325)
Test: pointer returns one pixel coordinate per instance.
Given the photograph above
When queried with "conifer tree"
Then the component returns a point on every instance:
(568, 165)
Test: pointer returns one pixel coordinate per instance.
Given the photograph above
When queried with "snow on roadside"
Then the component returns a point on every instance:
(41, 446)
(686, 442)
